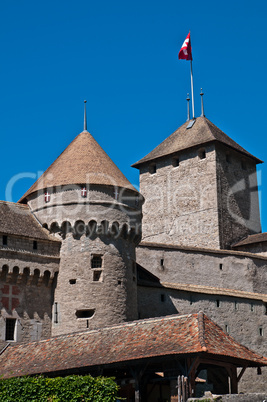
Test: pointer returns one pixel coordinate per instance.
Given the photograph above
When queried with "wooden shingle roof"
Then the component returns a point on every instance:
(82, 162)
(203, 131)
(128, 342)
(252, 239)
(17, 219)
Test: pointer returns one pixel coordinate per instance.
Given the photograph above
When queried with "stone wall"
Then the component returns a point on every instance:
(181, 201)
(238, 202)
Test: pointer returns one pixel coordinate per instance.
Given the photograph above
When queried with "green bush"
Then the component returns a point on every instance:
(60, 389)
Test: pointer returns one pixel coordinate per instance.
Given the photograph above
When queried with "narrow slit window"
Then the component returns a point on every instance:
(4, 240)
(10, 329)
(34, 246)
(162, 298)
(260, 331)
(218, 303)
(221, 267)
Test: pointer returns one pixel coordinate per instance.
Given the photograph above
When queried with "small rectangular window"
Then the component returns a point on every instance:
(162, 298)
(4, 240)
(218, 303)
(10, 329)
(221, 267)
(252, 307)
(153, 168)
(227, 328)
(34, 246)
(260, 331)
(236, 305)
(96, 261)
(265, 308)
(97, 275)
(202, 154)
(175, 162)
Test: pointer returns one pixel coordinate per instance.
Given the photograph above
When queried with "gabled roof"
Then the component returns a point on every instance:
(82, 162)
(128, 342)
(203, 131)
(17, 219)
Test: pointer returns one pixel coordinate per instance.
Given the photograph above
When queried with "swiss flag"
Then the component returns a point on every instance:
(186, 50)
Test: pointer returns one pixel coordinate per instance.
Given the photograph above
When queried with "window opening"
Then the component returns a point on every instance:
(56, 313)
(202, 154)
(4, 240)
(252, 307)
(260, 331)
(34, 246)
(96, 261)
(226, 328)
(218, 303)
(221, 267)
(10, 329)
(162, 298)
(175, 162)
(236, 305)
(97, 275)
(72, 281)
(85, 313)
(153, 169)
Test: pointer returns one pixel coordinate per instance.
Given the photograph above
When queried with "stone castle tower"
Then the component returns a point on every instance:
(200, 189)
(85, 201)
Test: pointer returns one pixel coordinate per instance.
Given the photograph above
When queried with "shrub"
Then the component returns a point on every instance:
(73, 388)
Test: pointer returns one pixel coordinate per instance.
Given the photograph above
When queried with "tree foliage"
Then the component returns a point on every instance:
(60, 389)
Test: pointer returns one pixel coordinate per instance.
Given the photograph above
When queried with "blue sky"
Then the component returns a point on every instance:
(122, 57)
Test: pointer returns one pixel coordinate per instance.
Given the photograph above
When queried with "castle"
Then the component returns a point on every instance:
(83, 250)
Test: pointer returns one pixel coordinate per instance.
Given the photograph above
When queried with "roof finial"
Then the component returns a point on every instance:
(85, 119)
(202, 105)
(188, 107)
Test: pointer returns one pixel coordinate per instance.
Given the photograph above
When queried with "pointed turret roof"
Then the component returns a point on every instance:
(82, 162)
(203, 131)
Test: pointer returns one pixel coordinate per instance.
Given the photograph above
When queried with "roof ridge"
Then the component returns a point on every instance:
(201, 331)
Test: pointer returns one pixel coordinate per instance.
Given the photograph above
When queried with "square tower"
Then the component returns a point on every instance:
(200, 189)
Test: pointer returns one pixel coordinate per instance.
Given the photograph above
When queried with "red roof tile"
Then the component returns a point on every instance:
(157, 337)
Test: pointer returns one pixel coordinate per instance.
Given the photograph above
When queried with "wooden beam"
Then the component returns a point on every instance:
(241, 373)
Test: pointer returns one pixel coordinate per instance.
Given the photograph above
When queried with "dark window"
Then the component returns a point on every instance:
(202, 154)
(10, 329)
(260, 331)
(265, 308)
(226, 328)
(4, 240)
(218, 303)
(153, 168)
(175, 162)
(96, 261)
(97, 276)
(162, 262)
(72, 281)
(221, 266)
(34, 245)
(236, 305)
(56, 313)
(85, 313)
(252, 307)
(162, 298)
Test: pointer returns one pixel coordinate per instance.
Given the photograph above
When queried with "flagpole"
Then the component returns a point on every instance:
(192, 89)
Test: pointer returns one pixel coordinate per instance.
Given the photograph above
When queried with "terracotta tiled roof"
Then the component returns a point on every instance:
(17, 219)
(157, 337)
(256, 238)
(202, 132)
(82, 162)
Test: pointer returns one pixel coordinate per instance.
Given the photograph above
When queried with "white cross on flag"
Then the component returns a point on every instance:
(186, 50)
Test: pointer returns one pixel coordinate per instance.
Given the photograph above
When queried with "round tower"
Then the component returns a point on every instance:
(85, 200)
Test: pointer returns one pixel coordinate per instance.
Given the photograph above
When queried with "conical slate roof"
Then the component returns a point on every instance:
(202, 132)
(82, 162)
